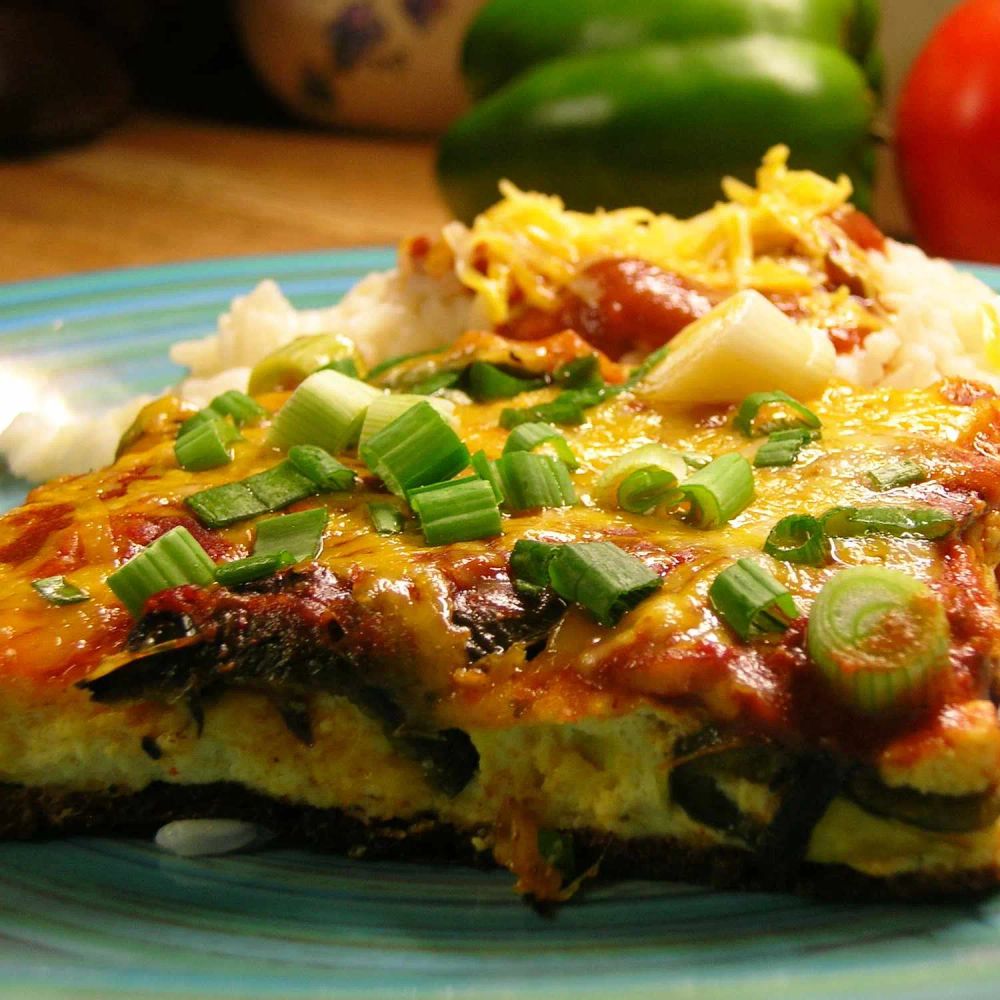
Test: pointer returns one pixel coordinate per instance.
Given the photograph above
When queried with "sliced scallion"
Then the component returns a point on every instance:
(292, 363)
(299, 534)
(782, 447)
(58, 590)
(557, 850)
(377, 371)
(891, 475)
(385, 408)
(652, 473)
(531, 481)
(255, 567)
(173, 560)
(239, 407)
(435, 383)
(900, 522)
(386, 519)
(696, 459)
(417, 448)
(748, 418)
(486, 469)
(579, 372)
(329, 475)
(262, 493)
(800, 539)
(486, 382)
(565, 409)
(529, 565)
(327, 409)
(346, 366)
(532, 435)
(879, 637)
(206, 445)
(719, 491)
(750, 601)
(458, 511)
(602, 578)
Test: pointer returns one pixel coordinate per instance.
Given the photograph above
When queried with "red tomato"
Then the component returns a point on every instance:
(948, 135)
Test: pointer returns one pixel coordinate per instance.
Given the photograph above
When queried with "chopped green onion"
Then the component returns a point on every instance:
(459, 511)
(385, 408)
(695, 459)
(58, 590)
(206, 445)
(528, 437)
(386, 519)
(557, 851)
(602, 578)
(750, 601)
(417, 448)
(748, 422)
(892, 474)
(719, 491)
(327, 409)
(798, 538)
(900, 522)
(239, 407)
(486, 382)
(647, 365)
(173, 560)
(879, 637)
(579, 372)
(566, 408)
(664, 469)
(299, 534)
(487, 469)
(435, 383)
(346, 366)
(329, 475)
(529, 565)
(255, 567)
(782, 447)
(383, 366)
(295, 361)
(530, 481)
(262, 493)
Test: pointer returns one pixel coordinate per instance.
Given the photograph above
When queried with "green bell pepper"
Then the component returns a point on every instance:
(510, 36)
(626, 118)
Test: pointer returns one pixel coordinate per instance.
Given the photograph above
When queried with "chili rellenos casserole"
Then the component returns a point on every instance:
(625, 582)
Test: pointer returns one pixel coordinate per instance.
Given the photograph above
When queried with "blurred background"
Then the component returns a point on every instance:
(134, 131)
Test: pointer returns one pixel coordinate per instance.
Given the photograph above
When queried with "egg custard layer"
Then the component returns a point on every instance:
(389, 690)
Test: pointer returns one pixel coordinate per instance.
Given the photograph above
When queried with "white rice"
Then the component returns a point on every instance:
(947, 324)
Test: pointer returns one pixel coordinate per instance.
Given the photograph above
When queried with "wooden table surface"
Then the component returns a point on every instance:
(159, 189)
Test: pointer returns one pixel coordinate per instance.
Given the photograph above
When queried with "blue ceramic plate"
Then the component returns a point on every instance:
(112, 919)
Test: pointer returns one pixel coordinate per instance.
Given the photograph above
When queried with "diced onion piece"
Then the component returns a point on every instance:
(290, 365)
(900, 522)
(532, 481)
(744, 345)
(459, 511)
(800, 539)
(329, 475)
(879, 637)
(299, 534)
(327, 409)
(192, 838)
(602, 578)
(386, 519)
(533, 434)
(384, 409)
(750, 601)
(649, 456)
(58, 590)
(416, 449)
(172, 560)
(255, 567)
(719, 491)
(891, 475)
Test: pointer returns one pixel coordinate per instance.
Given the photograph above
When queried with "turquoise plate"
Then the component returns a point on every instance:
(113, 919)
